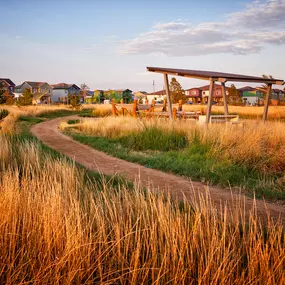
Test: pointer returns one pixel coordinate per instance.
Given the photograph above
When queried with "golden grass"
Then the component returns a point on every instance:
(55, 228)
(255, 112)
(256, 144)
(8, 124)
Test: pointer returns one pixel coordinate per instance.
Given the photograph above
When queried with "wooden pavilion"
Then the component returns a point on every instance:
(214, 77)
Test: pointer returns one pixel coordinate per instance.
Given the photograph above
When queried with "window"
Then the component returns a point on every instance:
(193, 92)
(218, 92)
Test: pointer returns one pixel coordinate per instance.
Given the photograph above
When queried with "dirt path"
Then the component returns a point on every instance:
(178, 186)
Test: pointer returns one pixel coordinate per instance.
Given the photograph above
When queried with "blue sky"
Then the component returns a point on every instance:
(108, 44)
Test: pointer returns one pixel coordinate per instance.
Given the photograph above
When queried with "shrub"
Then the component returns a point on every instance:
(3, 114)
(155, 139)
(72, 122)
(26, 99)
(74, 101)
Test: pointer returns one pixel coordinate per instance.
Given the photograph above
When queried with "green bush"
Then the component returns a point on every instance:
(72, 122)
(3, 114)
(155, 139)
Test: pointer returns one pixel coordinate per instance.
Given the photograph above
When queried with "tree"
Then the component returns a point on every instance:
(176, 91)
(96, 96)
(234, 95)
(84, 88)
(74, 101)
(111, 94)
(26, 99)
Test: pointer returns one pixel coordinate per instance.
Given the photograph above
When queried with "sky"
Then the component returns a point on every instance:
(108, 44)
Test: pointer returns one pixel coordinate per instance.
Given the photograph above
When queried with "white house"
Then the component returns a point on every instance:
(61, 91)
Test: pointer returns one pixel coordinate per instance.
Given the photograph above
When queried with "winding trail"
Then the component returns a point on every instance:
(178, 186)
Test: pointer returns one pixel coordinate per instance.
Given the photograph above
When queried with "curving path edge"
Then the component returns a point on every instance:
(177, 186)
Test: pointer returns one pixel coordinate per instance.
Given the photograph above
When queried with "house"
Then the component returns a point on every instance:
(42, 91)
(90, 95)
(62, 90)
(201, 94)
(194, 95)
(277, 96)
(140, 96)
(158, 96)
(7, 85)
(251, 95)
(125, 94)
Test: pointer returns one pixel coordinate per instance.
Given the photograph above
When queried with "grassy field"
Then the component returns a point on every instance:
(275, 113)
(59, 226)
(251, 157)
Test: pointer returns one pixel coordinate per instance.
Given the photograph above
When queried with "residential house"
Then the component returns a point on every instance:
(251, 95)
(194, 95)
(218, 95)
(158, 96)
(42, 91)
(7, 85)
(61, 91)
(90, 95)
(140, 96)
(277, 96)
(125, 94)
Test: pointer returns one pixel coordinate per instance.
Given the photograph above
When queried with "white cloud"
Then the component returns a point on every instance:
(245, 32)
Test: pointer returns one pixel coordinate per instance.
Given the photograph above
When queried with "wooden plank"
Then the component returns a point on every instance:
(224, 91)
(169, 103)
(210, 100)
(268, 95)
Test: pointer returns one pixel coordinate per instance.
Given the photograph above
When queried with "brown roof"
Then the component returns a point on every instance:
(161, 92)
(207, 87)
(207, 75)
(276, 90)
(64, 86)
(35, 84)
(9, 81)
(246, 88)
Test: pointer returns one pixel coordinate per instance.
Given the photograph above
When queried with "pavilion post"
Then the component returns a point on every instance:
(210, 100)
(224, 91)
(166, 86)
(267, 100)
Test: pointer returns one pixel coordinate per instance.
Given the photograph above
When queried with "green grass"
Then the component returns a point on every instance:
(195, 161)
(59, 113)
(72, 122)
(155, 139)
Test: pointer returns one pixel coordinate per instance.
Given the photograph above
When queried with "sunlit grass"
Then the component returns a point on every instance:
(58, 228)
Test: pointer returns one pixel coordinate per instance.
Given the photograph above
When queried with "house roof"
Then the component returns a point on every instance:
(246, 88)
(64, 86)
(34, 84)
(161, 92)
(218, 76)
(9, 81)
(276, 90)
(207, 87)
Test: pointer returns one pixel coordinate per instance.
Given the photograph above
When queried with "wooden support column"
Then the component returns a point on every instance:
(267, 100)
(224, 91)
(210, 100)
(166, 86)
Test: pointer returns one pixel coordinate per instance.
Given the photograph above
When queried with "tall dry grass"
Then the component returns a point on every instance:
(254, 112)
(56, 228)
(256, 144)
(8, 124)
